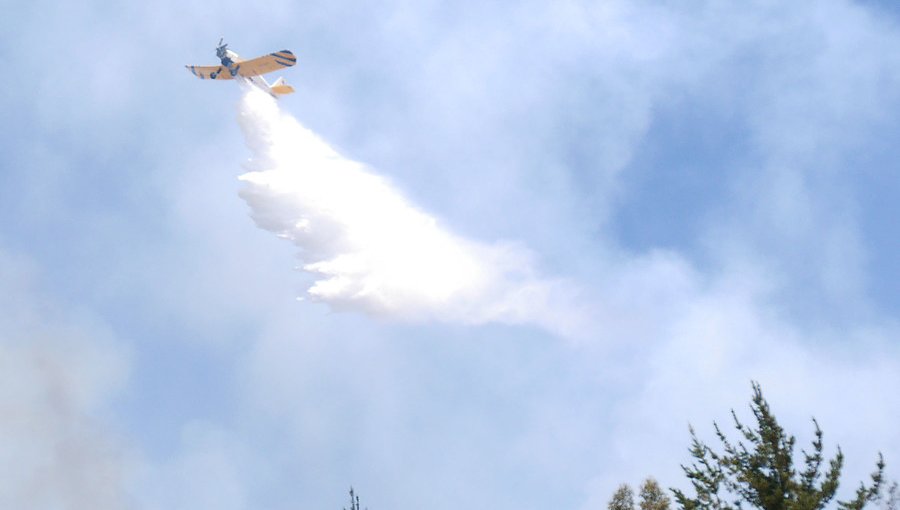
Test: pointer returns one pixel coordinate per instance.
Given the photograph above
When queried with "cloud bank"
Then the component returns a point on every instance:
(371, 250)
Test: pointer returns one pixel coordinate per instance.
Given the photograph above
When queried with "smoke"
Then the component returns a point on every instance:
(58, 371)
(370, 249)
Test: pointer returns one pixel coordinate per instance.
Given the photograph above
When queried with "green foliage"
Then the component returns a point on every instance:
(623, 498)
(759, 470)
(891, 498)
(652, 496)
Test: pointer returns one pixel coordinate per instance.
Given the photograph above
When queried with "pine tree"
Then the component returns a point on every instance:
(891, 498)
(623, 498)
(652, 496)
(354, 501)
(761, 473)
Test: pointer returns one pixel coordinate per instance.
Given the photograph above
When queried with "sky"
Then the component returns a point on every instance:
(489, 254)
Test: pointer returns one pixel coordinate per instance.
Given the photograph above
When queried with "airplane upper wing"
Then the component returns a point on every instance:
(266, 63)
(210, 72)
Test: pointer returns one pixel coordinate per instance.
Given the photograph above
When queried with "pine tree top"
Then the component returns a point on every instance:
(758, 470)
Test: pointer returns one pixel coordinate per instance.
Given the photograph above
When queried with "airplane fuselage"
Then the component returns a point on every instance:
(232, 62)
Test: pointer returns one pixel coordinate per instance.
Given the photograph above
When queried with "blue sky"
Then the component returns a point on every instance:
(705, 191)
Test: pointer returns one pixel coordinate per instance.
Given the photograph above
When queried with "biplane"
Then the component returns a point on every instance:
(232, 67)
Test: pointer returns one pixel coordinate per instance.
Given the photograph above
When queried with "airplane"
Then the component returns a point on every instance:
(250, 70)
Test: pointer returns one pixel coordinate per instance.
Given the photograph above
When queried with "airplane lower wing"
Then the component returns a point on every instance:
(211, 72)
(266, 63)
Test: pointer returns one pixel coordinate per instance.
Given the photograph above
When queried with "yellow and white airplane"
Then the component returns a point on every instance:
(251, 70)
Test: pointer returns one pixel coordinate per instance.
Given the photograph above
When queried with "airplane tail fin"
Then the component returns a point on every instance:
(281, 87)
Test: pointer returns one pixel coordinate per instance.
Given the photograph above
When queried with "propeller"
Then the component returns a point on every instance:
(220, 49)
